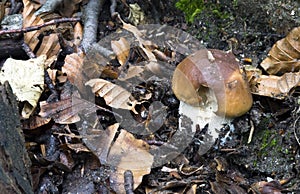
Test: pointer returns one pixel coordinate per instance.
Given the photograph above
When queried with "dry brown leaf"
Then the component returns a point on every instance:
(121, 48)
(128, 153)
(284, 55)
(34, 122)
(275, 86)
(115, 96)
(78, 33)
(73, 69)
(61, 111)
(95, 65)
(139, 37)
(49, 44)
(99, 141)
(67, 109)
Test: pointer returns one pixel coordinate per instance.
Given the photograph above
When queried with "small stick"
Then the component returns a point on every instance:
(113, 8)
(37, 27)
(251, 132)
(128, 182)
(28, 50)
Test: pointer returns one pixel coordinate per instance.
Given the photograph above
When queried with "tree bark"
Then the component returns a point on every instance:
(15, 164)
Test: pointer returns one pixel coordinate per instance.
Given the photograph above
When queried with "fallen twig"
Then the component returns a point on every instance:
(28, 50)
(113, 8)
(92, 11)
(33, 28)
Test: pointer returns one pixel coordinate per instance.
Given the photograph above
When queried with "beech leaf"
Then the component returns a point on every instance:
(115, 96)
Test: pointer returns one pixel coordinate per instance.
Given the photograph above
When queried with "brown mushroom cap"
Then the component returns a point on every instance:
(215, 70)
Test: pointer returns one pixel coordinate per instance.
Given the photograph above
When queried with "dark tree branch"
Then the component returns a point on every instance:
(33, 28)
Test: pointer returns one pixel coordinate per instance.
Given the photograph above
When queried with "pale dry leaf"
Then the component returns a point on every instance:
(136, 14)
(275, 86)
(284, 55)
(78, 33)
(115, 96)
(121, 48)
(128, 153)
(26, 79)
(52, 74)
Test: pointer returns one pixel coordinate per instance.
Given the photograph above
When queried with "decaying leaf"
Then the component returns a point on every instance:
(136, 14)
(284, 55)
(48, 45)
(125, 153)
(270, 85)
(67, 109)
(26, 79)
(99, 141)
(121, 48)
(115, 96)
(34, 122)
(128, 153)
(139, 37)
(62, 111)
(276, 86)
(73, 69)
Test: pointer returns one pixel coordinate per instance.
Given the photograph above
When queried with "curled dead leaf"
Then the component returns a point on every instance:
(115, 96)
(284, 55)
(271, 85)
(128, 153)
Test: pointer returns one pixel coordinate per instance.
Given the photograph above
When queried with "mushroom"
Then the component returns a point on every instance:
(208, 75)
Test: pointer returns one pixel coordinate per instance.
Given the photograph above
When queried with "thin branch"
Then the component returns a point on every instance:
(33, 28)
(28, 50)
(48, 6)
(91, 14)
(113, 8)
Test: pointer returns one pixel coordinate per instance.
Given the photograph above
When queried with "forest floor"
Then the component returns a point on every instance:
(72, 160)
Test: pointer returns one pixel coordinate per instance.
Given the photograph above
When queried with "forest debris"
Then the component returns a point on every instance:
(26, 79)
(65, 8)
(33, 39)
(284, 55)
(139, 37)
(62, 111)
(73, 69)
(271, 85)
(115, 96)
(34, 122)
(136, 14)
(264, 187)
(128, 153)
(91, 12)
(14, 160)
(99, 141)
(121, 48)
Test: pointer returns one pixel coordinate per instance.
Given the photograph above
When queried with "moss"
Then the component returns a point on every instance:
(192, 8)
